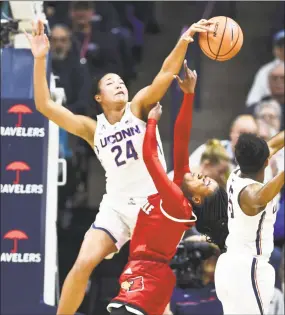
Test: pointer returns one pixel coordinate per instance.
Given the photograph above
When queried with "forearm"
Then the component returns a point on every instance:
(169, 192)
(271, 189)
(173, 62)
(41, 90)
(183, 121)
(162, 183)
(146, 98)
(182, 132)
(276, 143)
(150, 154)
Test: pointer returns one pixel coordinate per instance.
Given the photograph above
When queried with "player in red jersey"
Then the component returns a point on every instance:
(147, 281)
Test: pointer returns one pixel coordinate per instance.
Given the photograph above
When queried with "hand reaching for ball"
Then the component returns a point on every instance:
(202, 26)
(187, 85)
(38, 40)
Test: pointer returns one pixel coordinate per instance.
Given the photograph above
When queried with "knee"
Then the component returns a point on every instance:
(84, 266)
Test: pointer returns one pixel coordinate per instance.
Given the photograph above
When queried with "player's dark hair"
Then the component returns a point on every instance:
(251, 152)
(212, 218)
(95, 89)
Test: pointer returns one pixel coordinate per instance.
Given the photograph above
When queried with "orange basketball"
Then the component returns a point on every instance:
(224, 42)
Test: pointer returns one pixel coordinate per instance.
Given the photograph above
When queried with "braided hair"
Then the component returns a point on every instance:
(212, 218)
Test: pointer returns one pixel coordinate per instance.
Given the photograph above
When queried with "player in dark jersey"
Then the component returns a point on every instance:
(147, 281)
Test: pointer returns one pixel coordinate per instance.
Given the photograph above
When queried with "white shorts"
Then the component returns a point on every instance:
(118, 217)
(244, 285)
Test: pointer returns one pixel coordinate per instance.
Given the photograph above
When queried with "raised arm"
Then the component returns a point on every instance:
(255, 197)
(183, 125)
(166, 188)
(78, 125)
(276, 143)
(145, 99)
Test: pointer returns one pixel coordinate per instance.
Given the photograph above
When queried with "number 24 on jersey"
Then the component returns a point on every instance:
(131, 153)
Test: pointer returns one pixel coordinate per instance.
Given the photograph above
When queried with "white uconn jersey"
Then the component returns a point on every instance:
(252, 235)
(119, 149)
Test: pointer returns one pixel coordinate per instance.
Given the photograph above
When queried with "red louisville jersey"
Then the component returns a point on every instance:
(157, 235)
(147, 281)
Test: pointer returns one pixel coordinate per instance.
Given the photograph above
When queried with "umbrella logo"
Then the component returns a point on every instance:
(20, 110)
(18, 167)
(15, 235)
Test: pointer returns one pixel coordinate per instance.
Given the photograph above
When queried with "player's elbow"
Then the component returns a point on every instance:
(40, 106)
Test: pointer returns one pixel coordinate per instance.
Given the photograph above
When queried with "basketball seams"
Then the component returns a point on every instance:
(207, 54)
(208, 44)
(210, 49)
(233, 45)
(225, 27)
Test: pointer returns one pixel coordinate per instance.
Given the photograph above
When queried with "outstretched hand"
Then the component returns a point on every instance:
(38, 40)
(187, 85)
(202, 26)
(155, 112)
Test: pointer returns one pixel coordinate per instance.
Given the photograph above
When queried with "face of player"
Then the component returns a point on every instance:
(197, 186)
(113, 91)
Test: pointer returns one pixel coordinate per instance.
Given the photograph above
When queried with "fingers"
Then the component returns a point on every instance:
(41, 27)
(185, 66)
(34, 27)
(188, 72)
(46, 40)
(200, 28)
(177, 78)
(157, 106)
(29, 36)
(205, 22)
(38, 28)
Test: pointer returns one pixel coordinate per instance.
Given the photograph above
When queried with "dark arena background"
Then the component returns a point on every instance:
(52, 183)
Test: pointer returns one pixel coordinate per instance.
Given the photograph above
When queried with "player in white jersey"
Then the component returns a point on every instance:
(244, 278)
(117, 140)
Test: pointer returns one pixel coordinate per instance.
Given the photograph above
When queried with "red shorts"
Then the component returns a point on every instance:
(146, 286)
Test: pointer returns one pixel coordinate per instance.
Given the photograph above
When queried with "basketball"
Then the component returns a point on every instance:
(225, 40)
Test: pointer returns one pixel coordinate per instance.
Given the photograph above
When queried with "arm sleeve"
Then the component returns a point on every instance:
(170, 193)
(182, 131)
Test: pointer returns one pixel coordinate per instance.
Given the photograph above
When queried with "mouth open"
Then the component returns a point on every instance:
(120, 93)
(207, 181)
